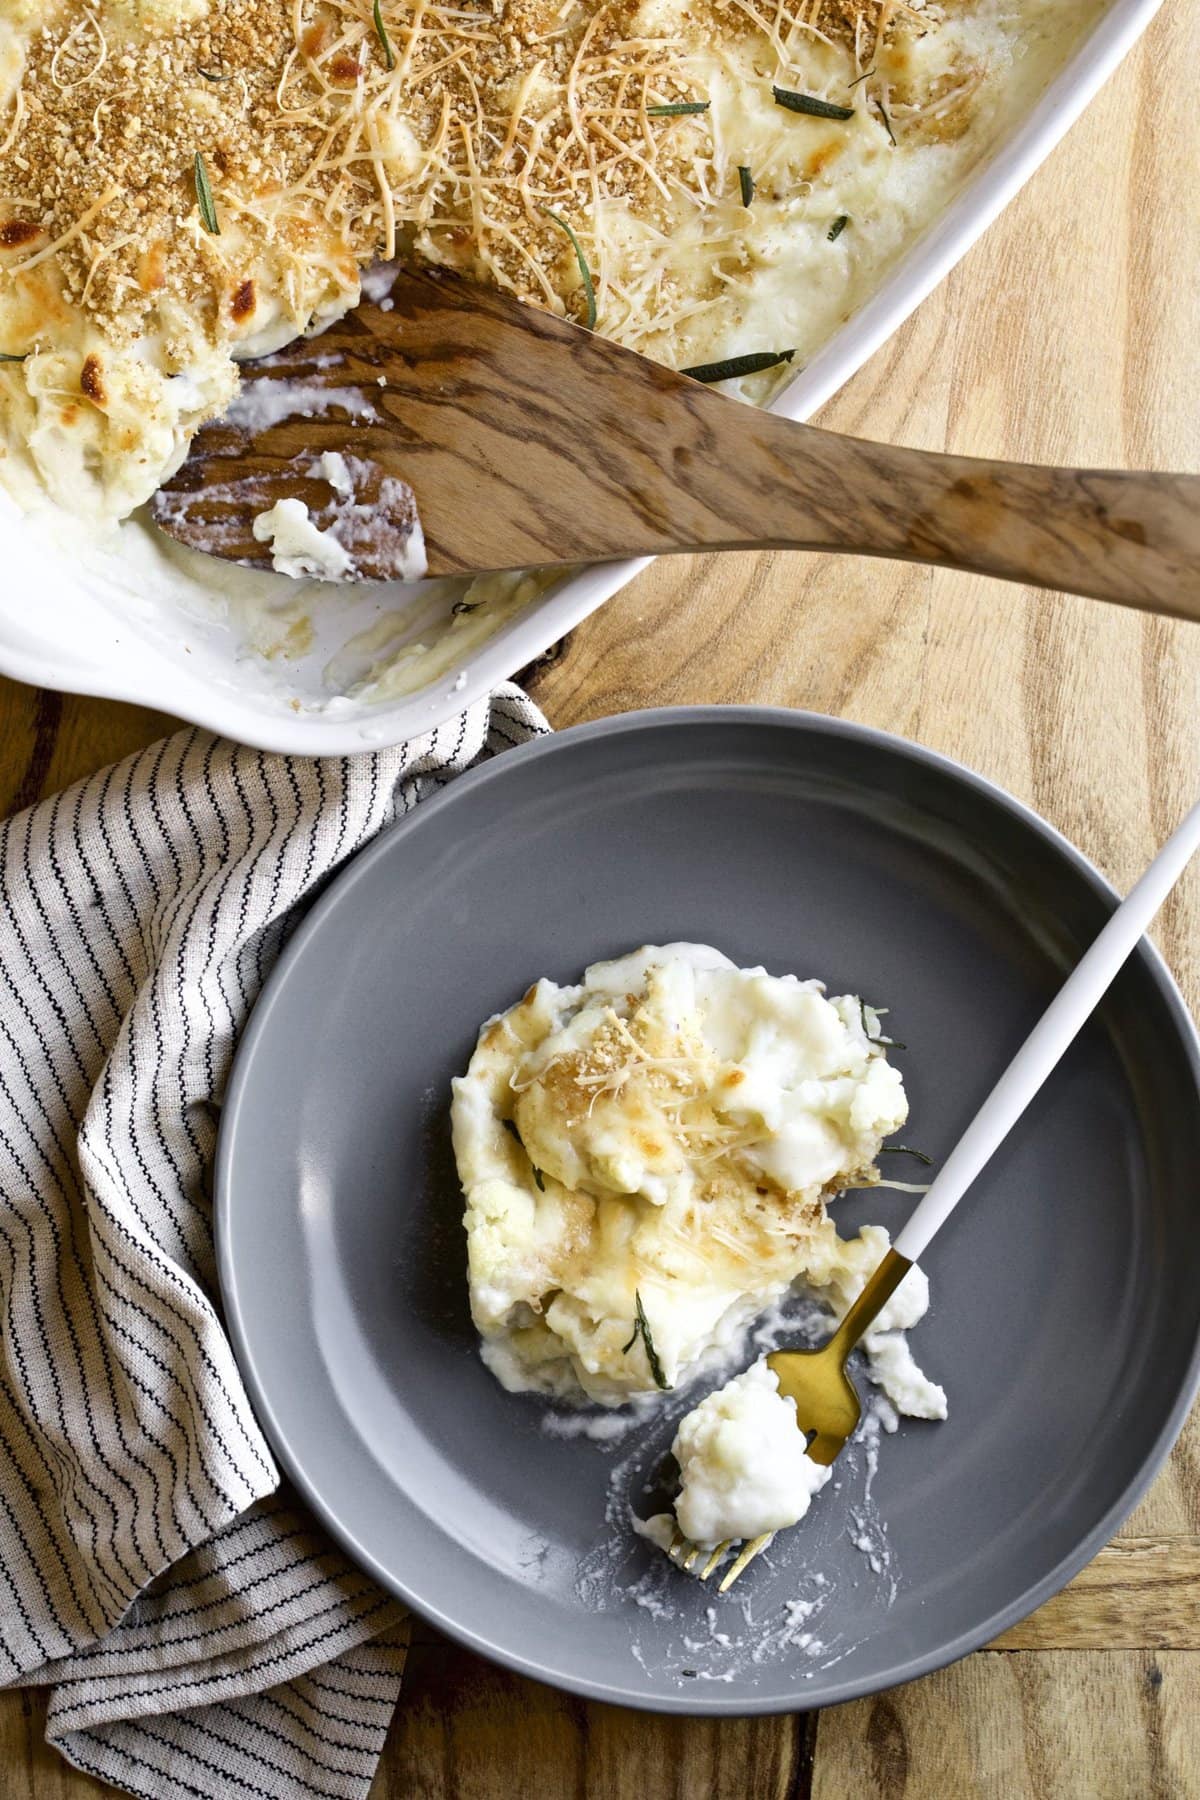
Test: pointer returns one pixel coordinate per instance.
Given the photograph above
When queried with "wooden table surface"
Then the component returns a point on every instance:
(1071, 333)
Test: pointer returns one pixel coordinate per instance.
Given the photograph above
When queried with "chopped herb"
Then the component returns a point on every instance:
(747, 183)
(211, 75)
(865, 77)
(204, 198)
(738, 365)
(5, 357)
(641, 1329)
(887, 1042)
(886, 121)
(839, 225)
(389, 55)
(677, 109)
(585, 273)
(511, 1125)
(905, 1150)
(809, 103)
(465, 606)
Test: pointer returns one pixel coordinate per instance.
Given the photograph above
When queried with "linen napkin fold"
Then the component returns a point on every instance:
(201, 1636)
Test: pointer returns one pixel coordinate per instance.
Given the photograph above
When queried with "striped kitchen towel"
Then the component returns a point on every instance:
(200, 1635)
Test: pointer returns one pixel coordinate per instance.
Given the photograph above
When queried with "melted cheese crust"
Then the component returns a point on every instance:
(126, 311)
(664, 1134)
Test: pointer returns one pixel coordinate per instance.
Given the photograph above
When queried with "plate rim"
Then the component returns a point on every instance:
(805, 723)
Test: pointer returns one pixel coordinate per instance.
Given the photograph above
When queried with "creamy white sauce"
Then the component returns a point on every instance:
(889, 1360)
(298, 548)
(892, 1366)
(336, 471)
(382, 533)
(385, 531)
(379, 280)
(268, 399)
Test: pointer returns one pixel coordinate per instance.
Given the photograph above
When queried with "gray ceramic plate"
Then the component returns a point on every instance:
(1066, 1309)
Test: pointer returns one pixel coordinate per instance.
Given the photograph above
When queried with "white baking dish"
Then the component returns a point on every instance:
(60, 629)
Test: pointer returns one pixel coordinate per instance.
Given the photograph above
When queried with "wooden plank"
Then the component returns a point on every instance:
(49, 740)
(1138, 1594)
(468, 1731)
(29, 1769)
(1069, 1725)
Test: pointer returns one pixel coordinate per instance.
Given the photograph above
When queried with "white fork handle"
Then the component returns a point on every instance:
(1061, 1023)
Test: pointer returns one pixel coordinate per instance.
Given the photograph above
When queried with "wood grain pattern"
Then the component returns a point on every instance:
(1138, 1594)
(477, 1732)
(29, 1769)
(528, 440)
(1081, 1726)
(1071, 333)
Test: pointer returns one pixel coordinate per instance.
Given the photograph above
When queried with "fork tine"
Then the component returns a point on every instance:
(748, 1554)
(715, 1558)
(682, 1552)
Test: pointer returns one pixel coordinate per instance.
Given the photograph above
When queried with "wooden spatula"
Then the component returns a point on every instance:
(529, 441)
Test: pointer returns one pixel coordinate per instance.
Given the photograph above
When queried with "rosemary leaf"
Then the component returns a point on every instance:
(677, 109)
(5, 357)
(809, 103)
(888, 1043)
(641, 1329)
(886, 121)
(211, 75)
(389, 55)
(538, 1178)
(465, 606)
(589, 286)
(865, 77)
(905, 1150)
(738, 365)
(839, 225)
(204, 199)
(747, 184)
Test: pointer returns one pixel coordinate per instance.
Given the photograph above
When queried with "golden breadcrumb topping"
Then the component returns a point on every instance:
(463, 125)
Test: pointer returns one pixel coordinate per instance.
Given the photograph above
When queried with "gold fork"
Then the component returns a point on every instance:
(827, 1403)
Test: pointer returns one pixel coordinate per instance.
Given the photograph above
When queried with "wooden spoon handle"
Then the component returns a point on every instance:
(529, 442)
(1129, 537)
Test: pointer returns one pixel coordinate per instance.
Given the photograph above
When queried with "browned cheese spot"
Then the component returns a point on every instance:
(15, 232)
(91, 380)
